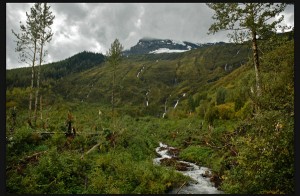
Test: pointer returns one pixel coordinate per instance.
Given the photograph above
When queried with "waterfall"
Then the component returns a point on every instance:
(147, 99)
(176, 103)
(163, 116)
(141, 70)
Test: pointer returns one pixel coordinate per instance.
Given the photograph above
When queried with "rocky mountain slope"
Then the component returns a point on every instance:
(151, 45)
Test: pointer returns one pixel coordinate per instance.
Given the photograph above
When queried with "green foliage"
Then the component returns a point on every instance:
(246, 111)
(250, 153)
(253, 17)
(211, 114)
(226, 111)
(115, 53)
(266, 156)
(191, 104)
(265, 161)
(197, 154)
(22, 140)
(56, 173)
(111, 176)
(221, 96)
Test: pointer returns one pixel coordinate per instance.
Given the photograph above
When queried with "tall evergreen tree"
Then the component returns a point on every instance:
(247, 21)
(114, 57)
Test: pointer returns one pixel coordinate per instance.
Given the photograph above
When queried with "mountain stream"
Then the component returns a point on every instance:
(200, 175)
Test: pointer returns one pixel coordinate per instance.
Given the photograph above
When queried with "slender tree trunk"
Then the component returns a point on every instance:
(113, 94)
(41, 107)
(32, 81)
(38, 83)
(113, 101)
(256, 63)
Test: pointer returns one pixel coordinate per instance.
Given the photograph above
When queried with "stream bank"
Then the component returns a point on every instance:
(201, 176)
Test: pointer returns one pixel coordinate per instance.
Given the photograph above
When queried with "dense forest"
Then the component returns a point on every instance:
(203, 102)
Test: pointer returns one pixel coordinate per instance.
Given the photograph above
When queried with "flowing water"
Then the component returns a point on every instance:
(201, 185)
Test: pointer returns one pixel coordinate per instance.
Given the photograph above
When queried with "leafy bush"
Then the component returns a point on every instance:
(23, 140)
(246, 111)
(221, 96)
(197, 154)
(266, 156)
(111, 176)
(226, 111)
(211, 114)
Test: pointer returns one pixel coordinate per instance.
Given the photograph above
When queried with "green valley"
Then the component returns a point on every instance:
(199, 101)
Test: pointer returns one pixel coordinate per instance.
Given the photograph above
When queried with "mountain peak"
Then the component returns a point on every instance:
(148, 39)
(148, 45)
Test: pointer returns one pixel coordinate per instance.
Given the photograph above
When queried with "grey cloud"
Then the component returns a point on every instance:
(74, 11)
(94, 26)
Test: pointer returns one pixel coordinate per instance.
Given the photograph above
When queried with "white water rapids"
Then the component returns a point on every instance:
(202, 185)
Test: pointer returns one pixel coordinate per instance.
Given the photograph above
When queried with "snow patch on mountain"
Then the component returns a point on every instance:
(178, 42)
(166, 50)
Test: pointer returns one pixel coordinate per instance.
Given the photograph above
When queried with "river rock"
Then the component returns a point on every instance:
(173, 152)
(206, 174)
(174, 163)
(216, 180)
(199, 183)
(163, 148)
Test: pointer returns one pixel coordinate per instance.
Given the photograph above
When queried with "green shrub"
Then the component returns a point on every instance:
(246, 111)
(211, 114)
(265, 161)
(221, 96)
(197, 154)
(111, 176)
(226, 111)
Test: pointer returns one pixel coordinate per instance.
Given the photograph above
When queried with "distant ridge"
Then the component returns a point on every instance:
(149, 45)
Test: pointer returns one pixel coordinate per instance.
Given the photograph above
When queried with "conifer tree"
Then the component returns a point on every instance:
(114, 57)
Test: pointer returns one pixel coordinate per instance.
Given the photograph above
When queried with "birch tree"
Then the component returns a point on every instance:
(45, 21)
(27, 45)
(247, 21)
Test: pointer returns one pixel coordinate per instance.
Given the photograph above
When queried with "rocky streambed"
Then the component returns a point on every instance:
(202, 176)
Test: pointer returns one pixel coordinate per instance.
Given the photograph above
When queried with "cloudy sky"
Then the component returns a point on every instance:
(94, 26)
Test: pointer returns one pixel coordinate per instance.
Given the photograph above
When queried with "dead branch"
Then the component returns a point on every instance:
(28, 158)
(90, 150)
(181, 187)
(217, 147)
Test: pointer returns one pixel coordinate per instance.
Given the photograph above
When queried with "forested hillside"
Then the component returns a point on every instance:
(163, 117)
(208, 105)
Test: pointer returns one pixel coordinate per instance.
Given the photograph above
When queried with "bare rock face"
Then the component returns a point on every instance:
(147, 45)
